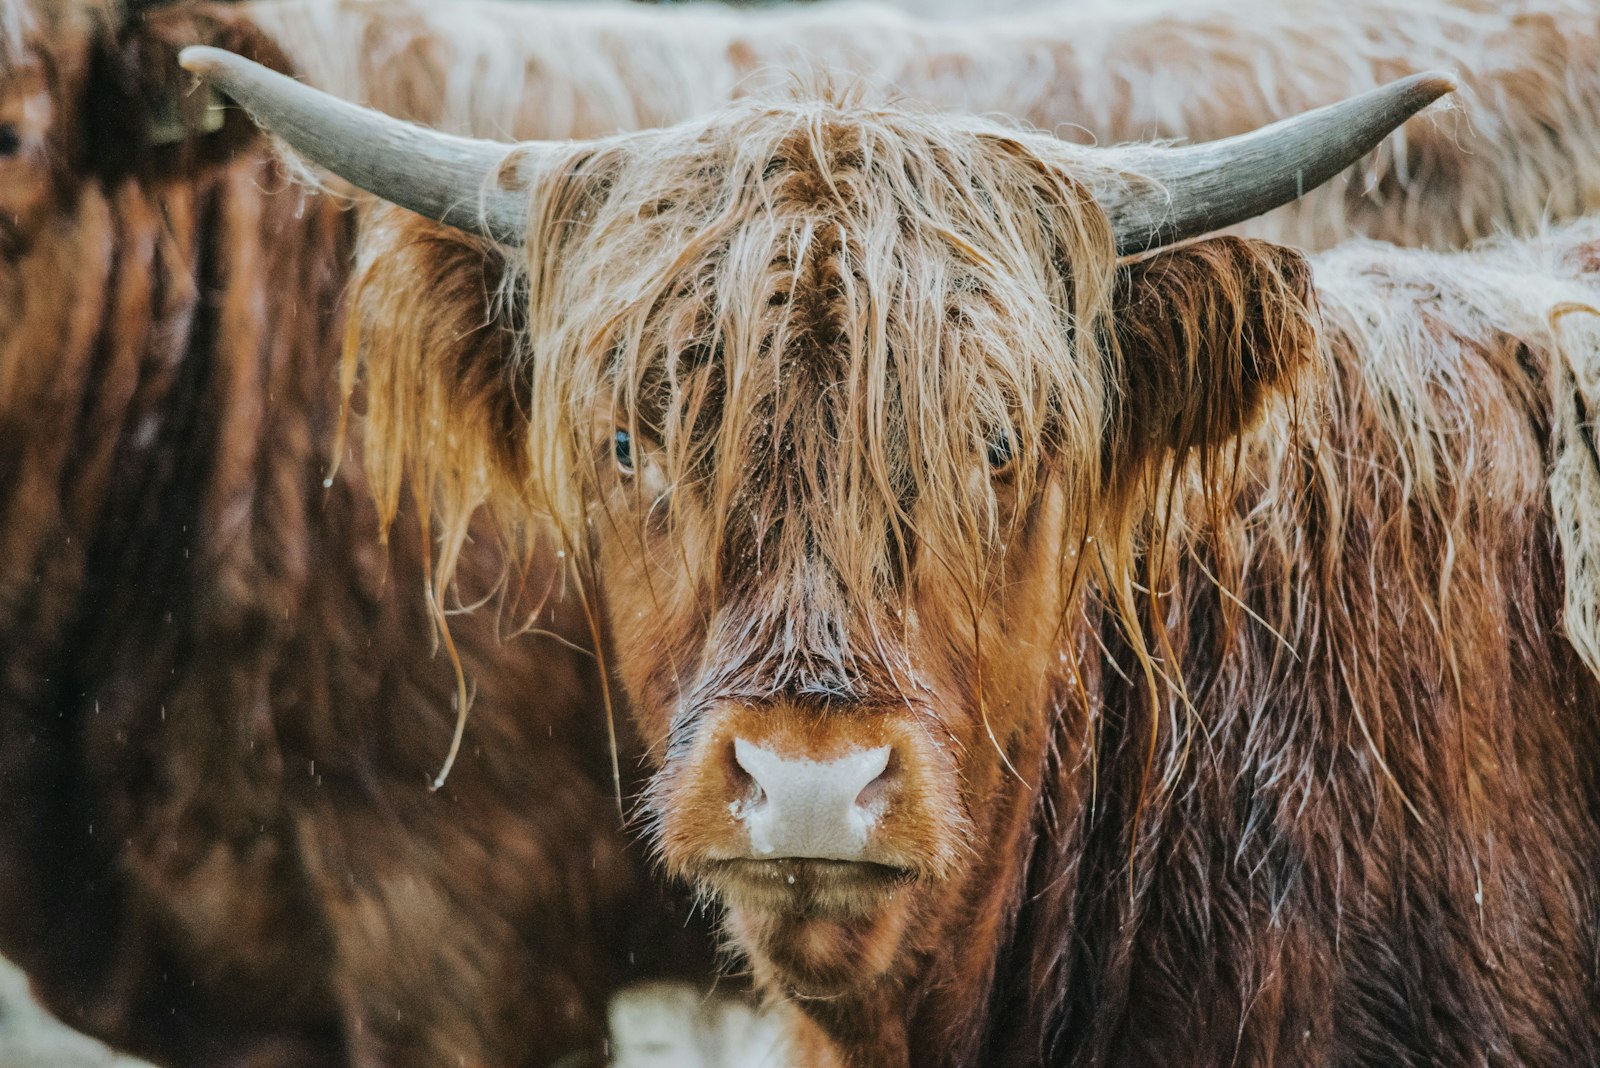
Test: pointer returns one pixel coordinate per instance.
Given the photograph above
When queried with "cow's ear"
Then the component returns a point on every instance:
(445, 406)
(450, 378)
(1206, 334)
(144, 113)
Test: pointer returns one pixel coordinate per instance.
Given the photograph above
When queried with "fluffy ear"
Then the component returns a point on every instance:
(1206, 333)
(142, 112)
(439, 320)
(446, 405)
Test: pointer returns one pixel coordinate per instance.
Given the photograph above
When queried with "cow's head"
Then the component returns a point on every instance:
(95, 122)
(88, 92)
(839, 409)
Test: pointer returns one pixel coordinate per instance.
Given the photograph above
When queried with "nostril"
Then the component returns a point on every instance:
(874, 796)
(742, 784)
(858, 778)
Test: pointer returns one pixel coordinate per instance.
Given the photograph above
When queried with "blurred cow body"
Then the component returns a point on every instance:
(1522, 147)
(220, 698)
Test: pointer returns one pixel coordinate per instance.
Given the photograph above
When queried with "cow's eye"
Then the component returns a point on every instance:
(10, 140)
(622, 449)
(1000, 452)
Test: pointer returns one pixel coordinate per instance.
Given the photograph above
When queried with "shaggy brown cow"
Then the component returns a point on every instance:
(220, 701)
(1044, 655)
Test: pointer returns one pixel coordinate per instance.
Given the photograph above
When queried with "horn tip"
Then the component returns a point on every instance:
(204, 60)
(1431, 85)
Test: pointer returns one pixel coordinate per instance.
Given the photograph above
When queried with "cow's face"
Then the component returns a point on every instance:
(835, 658)
(828, 523)
(839, 417)
(45, 52)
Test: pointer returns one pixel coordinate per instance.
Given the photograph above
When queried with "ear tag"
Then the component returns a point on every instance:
(169, 125)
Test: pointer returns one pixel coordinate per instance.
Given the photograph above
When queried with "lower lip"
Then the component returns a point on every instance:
(833, 886)
(792, 870)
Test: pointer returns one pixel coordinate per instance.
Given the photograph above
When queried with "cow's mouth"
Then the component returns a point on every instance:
(818, 928)
(800, 888)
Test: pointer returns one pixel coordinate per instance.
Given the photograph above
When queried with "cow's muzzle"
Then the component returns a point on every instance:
(796, 808)
(788, 808)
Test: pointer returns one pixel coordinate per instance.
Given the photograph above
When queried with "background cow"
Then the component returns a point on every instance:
(1523, 146)
(1044, 654)
(221, 704)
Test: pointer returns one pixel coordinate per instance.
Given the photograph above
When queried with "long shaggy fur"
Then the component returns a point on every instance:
(1379, 768)
(1312, 779)
(1575, 472)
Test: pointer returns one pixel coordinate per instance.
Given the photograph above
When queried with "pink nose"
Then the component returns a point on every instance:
(812, 809)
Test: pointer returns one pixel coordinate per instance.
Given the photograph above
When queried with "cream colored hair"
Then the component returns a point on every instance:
(1522, 143)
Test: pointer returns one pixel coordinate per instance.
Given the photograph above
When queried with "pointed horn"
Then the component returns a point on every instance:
(1178, 193)
(469, 184)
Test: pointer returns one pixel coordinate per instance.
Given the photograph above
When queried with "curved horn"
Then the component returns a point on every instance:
(465, 183)
(1169, 194)
(1206, 187)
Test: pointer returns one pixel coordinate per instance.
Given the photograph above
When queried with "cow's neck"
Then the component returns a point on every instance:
(936, 1010)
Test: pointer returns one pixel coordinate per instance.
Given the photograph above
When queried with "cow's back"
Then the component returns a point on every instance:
(1368, 832)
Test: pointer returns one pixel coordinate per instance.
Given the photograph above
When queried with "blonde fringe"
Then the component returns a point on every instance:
(608, 321)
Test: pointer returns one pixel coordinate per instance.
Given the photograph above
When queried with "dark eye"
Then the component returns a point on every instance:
(622, 449)
(1000, 452)
(10, 140)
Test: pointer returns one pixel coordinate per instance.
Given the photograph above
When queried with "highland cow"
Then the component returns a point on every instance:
(1054, 642)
